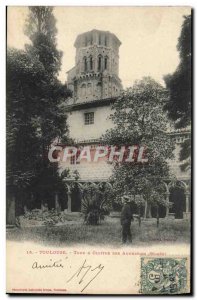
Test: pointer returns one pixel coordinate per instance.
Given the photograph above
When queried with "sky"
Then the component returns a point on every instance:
(149, 36)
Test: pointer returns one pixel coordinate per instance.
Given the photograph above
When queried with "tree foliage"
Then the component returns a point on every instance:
(179, 86)
(179, 83)
(23, 75)
(185, 155)
(139, 120)
(41, 29)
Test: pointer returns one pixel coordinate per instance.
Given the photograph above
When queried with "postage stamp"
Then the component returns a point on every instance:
(163, 275)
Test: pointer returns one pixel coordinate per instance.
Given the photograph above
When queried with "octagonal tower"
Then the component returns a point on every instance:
(96, 70)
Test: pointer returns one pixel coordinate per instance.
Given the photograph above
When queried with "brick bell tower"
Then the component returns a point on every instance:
(95, 85)
(95, 74)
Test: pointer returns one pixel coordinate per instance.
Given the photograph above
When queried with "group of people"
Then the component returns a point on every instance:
(126, 218)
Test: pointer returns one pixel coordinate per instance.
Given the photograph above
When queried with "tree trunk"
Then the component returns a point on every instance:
(139, 214)
(11, 214)
(42, 203)
(157, 216)
(147, 211)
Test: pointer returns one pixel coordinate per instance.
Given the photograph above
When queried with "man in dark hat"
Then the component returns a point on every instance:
(126, 217)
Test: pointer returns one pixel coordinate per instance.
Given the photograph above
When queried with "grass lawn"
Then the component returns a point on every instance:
(108, 233)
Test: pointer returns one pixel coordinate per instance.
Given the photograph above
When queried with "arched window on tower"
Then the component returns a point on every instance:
(85, 64)
(89, 89)
(98, 90)
(106, 63)
(83, 90)
(99, 63)
(91, 63)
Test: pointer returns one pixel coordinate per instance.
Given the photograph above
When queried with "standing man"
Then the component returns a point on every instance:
(126, 217)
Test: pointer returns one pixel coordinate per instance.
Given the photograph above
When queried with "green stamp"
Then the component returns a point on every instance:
(163, 275)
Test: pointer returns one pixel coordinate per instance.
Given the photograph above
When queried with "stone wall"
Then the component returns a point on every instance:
(89, 171)
(81, 132)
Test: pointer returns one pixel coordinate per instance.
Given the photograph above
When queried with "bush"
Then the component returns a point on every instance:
(95, 205)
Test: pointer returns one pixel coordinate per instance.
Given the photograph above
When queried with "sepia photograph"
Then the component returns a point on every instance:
(98, 146)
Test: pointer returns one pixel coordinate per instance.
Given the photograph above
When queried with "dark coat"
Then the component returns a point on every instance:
(126, 214)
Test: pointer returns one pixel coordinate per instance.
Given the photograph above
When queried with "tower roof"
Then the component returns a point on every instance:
(78, 39)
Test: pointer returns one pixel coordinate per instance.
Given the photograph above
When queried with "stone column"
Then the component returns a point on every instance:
(145, 209)
(167, 201)
(187, 213)
(57, 204)
(69, 201)
(25, 209)
(11, 216)
(80, 189)
(187, 202)
(42, 206)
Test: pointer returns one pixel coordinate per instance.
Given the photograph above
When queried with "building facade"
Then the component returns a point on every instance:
(95, 84)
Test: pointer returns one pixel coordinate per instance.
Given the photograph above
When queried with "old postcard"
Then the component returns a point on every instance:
(99, 150)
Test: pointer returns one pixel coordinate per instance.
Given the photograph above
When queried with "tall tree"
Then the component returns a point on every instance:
(139, 120)
(179, 83)
(35, 114)
(24, 74)
(179, 86)
(50, 119)
(41, 29)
